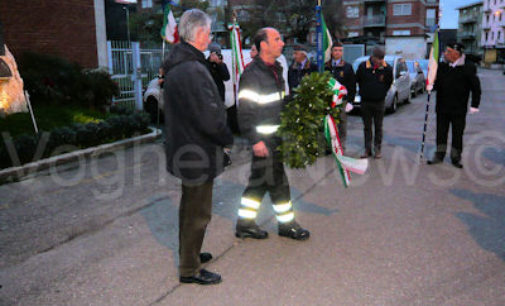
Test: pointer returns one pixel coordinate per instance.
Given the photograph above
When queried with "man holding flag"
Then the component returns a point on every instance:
(454, 81)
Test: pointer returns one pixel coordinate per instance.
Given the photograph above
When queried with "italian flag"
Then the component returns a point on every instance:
(327, 41)
(169, 30)
(237, 59)
(433, 63)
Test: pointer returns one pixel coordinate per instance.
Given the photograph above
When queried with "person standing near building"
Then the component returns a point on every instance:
(196, 133)
(344, 74)
(455, 79)
(261, 97)
(300, 67)
(374, 78)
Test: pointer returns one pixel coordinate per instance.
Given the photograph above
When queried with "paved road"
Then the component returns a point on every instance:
(104, 232)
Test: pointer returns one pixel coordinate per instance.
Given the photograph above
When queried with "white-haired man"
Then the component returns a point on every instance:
(196, 132)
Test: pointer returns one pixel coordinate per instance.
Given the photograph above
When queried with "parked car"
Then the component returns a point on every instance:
(417, 80)
(400, 89)
(423, 63)
(153, 96)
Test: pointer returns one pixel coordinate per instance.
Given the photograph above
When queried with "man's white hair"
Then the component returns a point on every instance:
(191, 21)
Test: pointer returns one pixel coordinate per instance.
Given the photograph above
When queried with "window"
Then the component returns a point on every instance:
(404, 9)
(492, 36)
(487, 36)
(352, 12)
(430, 17)
(499, 34)
(147, 3)
(401, 33)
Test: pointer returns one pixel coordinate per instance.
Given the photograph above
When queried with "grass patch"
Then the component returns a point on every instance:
(49, 118)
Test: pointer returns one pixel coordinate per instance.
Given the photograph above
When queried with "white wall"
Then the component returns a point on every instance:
(408, 47)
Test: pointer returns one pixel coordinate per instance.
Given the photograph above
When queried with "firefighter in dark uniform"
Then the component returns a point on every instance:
(261, 98)
(455, 79)
(344, 74)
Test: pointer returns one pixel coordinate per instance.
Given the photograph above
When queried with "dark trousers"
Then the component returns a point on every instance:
(372, 112)
(267, 174)
(457, 123)
(231, 119)
(195, 212)
(342, 126)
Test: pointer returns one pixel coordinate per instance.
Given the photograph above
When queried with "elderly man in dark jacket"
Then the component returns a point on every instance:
(300, 67)
(455, 79)
(374, 77)
(196, 133)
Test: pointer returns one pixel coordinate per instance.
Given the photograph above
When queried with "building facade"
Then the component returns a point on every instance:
(493, 31)
(402, 25)
(73, 29)
(469, 27)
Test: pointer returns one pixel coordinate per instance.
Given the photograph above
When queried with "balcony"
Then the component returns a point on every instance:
(373, 1)
(469, 18)
(374, 21)
(467, 35)
(486, 27)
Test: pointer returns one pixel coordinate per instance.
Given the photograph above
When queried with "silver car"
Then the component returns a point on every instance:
(417, 80)
(400, 89)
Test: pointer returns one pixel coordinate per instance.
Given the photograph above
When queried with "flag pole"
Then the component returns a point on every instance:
(319, 37)
(430, 81)
(421, 155)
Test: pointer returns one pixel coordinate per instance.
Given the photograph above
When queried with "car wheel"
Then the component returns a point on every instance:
(394, 105)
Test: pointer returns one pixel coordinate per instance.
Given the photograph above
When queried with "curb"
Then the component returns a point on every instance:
(16, 173)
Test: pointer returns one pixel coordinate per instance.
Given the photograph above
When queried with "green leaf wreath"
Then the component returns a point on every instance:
(302, 121)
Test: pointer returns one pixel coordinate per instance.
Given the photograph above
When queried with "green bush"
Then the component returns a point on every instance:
(78, 135)
(53, 80)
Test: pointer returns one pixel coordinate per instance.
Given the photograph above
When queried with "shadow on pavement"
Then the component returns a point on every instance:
(162, 215)
(489, 230)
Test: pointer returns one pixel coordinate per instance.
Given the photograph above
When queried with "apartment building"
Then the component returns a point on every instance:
(469, 27)
(401, 25)
(493, 31)
(73, 29)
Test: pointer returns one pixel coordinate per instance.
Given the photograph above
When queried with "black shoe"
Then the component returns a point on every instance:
(366, 155)
(377, 155)
(205, 257)
(434, 161)
(203, 277)
(249, 229)
(457, 164)
(293, 230)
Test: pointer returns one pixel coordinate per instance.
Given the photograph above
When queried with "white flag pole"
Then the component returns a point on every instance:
(30, 109)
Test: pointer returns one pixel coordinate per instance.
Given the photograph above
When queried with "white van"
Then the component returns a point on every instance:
(154, 94)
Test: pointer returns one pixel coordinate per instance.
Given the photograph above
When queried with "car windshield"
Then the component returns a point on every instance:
(411, 67)
(423, 64)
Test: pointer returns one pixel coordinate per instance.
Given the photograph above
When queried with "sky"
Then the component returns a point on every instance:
(449, 18)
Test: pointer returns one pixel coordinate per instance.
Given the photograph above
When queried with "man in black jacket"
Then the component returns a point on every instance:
(344, 74)
(455, 79)
(374, 77)
(300, 67)
(261, 95)
(220, 74)
(196, 133)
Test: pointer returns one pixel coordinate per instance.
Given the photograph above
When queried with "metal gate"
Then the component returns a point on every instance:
(132, 68)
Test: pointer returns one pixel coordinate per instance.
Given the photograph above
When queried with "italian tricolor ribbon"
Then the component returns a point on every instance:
(345, 164)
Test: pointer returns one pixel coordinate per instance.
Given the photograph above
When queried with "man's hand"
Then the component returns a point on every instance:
(214, 58)
(348, 107)
(473, 110)
(260, 149)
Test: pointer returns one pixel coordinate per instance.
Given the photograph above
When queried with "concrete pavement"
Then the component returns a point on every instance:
(104, 232)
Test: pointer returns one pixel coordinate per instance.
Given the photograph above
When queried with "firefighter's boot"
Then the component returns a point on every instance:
(293, 230)
(249, 229)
